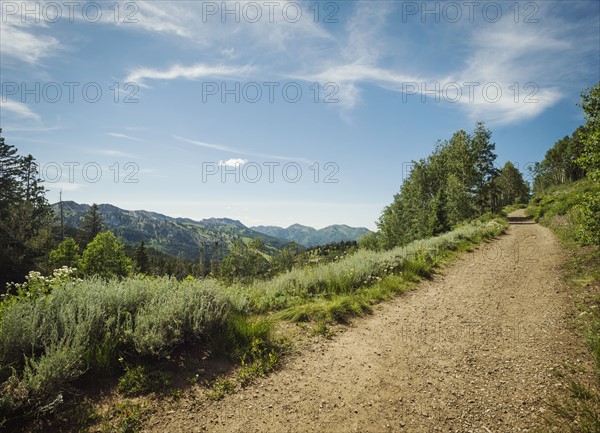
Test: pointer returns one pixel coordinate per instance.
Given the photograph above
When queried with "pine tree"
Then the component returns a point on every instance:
(25, 234)
(141, 258)
(92, 224)
(482, 150)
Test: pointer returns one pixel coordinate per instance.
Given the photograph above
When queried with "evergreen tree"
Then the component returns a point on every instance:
(92, 224)
(25, 215)
(141, 258)
(482, 151)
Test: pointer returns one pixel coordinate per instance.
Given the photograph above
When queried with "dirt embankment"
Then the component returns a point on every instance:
(477, 349)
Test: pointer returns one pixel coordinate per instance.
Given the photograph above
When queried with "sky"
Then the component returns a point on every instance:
(276, 112)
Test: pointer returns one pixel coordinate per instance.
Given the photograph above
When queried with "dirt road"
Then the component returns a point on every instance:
(479, 348)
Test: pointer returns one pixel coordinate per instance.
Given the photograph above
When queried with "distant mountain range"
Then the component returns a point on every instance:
(310, 237)
(188, 237)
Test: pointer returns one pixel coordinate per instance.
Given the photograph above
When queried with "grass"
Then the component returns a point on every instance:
(558, 209)
(64, 330)
(143, 379)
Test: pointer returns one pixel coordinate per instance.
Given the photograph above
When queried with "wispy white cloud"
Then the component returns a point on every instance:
(187, 72)
(197, 22)
(18, 108)
(25, 41)
(124, 136)
(548, 54)
(65, 186)
(229, 149)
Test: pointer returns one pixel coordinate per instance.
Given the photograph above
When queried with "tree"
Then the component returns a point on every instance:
(590, 160)
(92, 224)
(25, 215)
(512, 189)
(561, 162)
(141, 258)
(590, 157)
(453, 184)
(285, 259)
(482, 152)
(66, 254)
(105, 257)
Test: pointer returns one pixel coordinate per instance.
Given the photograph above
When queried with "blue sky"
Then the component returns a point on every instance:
(278, 112)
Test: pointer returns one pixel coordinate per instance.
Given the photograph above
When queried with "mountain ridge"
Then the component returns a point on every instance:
(309, 236)
(188, 237)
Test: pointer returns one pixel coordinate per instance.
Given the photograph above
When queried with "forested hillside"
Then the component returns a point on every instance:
(457, 182)
(311, 237)
(173, 236)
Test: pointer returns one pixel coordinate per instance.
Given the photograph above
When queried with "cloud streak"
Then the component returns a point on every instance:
(124, 136)
(236, 151)
(19, 109)
(192, 72)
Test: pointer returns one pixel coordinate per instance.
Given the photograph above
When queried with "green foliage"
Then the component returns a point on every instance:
(572, 209)
(285, 259)
(580, 411)
(142, 260)
(235, 338)
(590, 156)
(350, 273)
(322, 329)
(92, 224)
(78, 327)
(512, 189)
(258, 361)
(220, 388)
(143, 379)
(105, 257)
(25, 235)
(244, 262)
(37, 285)
(560, 164)
(589, 219)
(65, 254)
(48, 341)
(454, 184)
(126, 417)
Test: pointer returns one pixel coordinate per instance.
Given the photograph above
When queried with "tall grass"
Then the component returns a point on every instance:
(560, 209)
(49, 341)
(364, 268)
(71, 328)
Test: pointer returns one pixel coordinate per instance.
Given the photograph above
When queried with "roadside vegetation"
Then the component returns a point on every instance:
(54, 331)
(567, 200)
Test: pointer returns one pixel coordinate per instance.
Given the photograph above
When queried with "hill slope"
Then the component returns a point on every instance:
(480, 348)
(169, 235)
(310, 237)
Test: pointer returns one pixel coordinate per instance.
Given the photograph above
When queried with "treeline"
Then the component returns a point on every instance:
(575, 156)
(571, 159)
(25, 216)
(31, 239)
(561, 162)
(454, 184)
